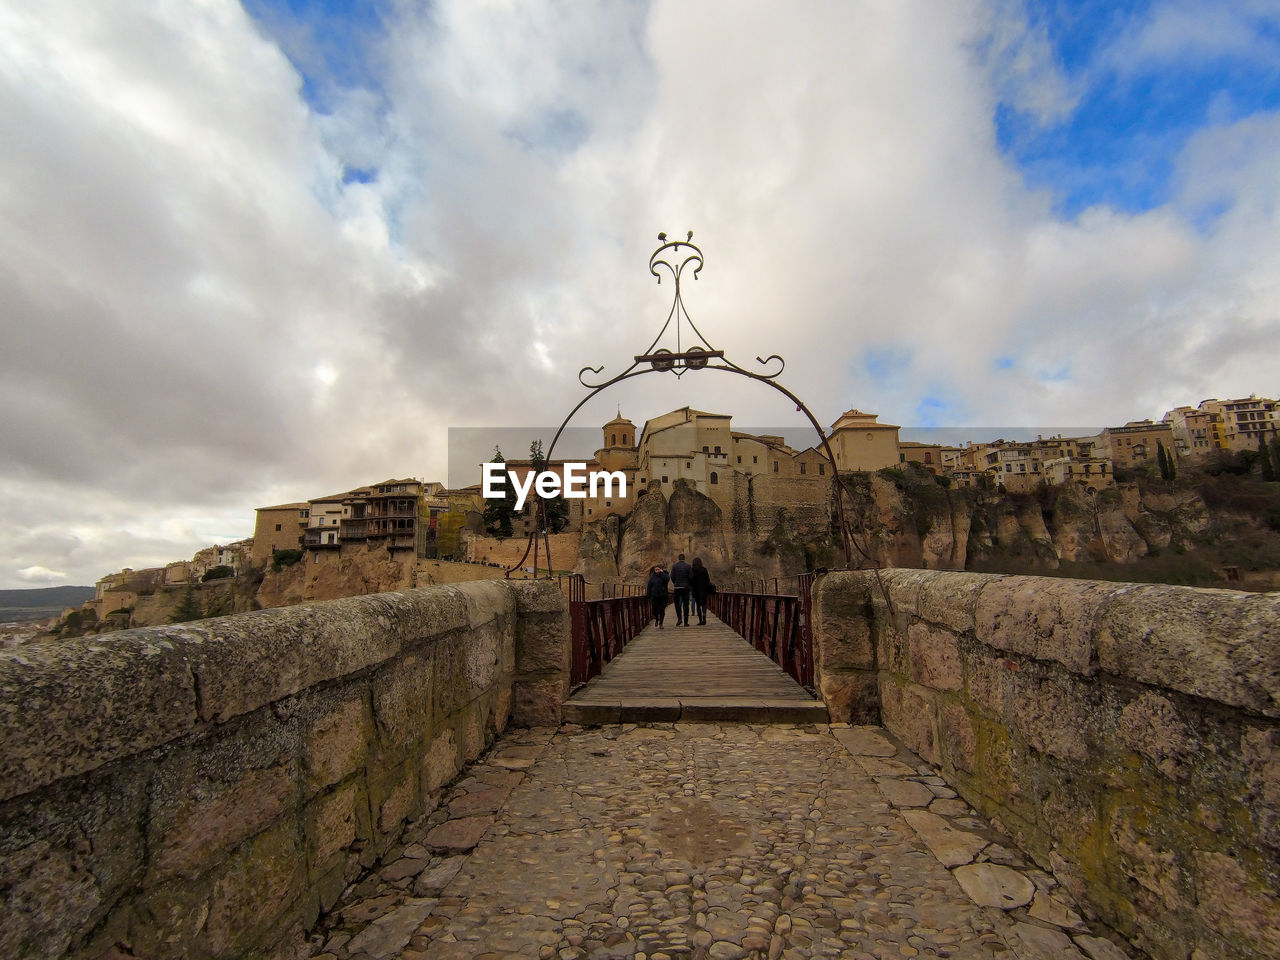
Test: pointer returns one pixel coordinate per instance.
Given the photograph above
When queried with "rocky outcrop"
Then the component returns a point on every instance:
(644, 536)
(909, 518)
(356, 571)
(658, 530)
(599, 549)
(696, 528)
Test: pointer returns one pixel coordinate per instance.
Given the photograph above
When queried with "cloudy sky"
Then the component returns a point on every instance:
(257, 252)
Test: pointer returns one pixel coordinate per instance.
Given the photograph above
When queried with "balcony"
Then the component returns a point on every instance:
(319, 540)
(394, 513)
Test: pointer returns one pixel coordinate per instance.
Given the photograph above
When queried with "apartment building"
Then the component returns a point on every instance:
(1196, 433)
(278, 528)
(1242, 423)
(1093, 473)
(1135, 443)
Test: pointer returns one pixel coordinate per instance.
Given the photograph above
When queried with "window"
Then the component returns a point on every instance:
(277, 528)
(775, 466)
(331, 536)
(822, 469)
(613, 440)
(755, 459)
(608, 503)
(664, 479)
(715, 477)
(902, 458)
(317, 558)
(705, 450)
(717, 449)
(802, 466)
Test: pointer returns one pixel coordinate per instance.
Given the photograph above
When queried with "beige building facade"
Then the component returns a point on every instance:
(1243, 422)
(1135, 443)
(860, 442)
(278, 528)
(1093, 474)
(1195, 432)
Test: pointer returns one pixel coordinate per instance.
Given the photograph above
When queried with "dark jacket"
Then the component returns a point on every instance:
(680, 574)
(657, 585)
(700, 583)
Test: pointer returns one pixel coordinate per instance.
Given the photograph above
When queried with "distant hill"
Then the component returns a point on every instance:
(41, 603)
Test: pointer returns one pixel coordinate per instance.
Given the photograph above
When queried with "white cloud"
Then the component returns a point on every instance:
(1021, 60)
(201, 317)
(41, 575)
(1193, 31)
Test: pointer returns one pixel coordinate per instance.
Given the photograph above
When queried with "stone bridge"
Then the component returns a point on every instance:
(1014, 766)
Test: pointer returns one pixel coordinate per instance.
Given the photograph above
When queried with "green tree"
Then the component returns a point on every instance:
(499, 511)
(188, 609)
(556, 508)
(1168, 466)
(1264, 458)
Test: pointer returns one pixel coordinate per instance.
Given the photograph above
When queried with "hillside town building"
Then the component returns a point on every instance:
(1242, 423)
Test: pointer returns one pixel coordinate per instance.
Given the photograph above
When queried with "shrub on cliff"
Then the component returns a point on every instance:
(284, 558)
(220, 572)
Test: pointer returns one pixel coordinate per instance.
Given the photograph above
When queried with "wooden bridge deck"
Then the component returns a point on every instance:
(692, 673)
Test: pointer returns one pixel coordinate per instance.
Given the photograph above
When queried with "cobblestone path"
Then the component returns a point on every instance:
(716, 841)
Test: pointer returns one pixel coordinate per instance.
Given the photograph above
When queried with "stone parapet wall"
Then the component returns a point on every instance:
(204, 790)
(1128, 736)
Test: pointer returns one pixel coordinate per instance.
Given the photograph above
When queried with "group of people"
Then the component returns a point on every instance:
(688, 582)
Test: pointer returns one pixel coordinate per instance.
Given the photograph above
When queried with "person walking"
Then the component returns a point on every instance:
(656, 591)
(680, 585)
(700, 588)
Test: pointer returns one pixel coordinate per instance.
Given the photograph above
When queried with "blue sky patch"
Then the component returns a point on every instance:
(332, 43)
(886, 364)
(1145, 82)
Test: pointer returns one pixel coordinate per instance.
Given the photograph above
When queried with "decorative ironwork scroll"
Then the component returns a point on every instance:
(678, 260)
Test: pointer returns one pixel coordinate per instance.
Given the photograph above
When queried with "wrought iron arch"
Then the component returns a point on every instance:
(676, 257)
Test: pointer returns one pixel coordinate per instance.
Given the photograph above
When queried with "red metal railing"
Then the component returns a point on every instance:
(600, 628)
(779, 625)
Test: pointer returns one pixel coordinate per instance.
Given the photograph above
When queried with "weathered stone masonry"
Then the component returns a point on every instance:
(1128, 736)
(205, 790)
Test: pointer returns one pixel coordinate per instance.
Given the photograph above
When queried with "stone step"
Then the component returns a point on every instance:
(695, 710)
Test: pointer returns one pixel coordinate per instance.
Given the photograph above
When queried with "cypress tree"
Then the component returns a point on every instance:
(188, 609)
(498, 512)
(1264, 458)
(556, 509)
(1166, 462)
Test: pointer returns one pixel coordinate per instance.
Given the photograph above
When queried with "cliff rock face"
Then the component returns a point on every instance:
(696, 528)
(357, 571)
(658, 530)
(599, 548)
(908, 518)
(644, 536)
